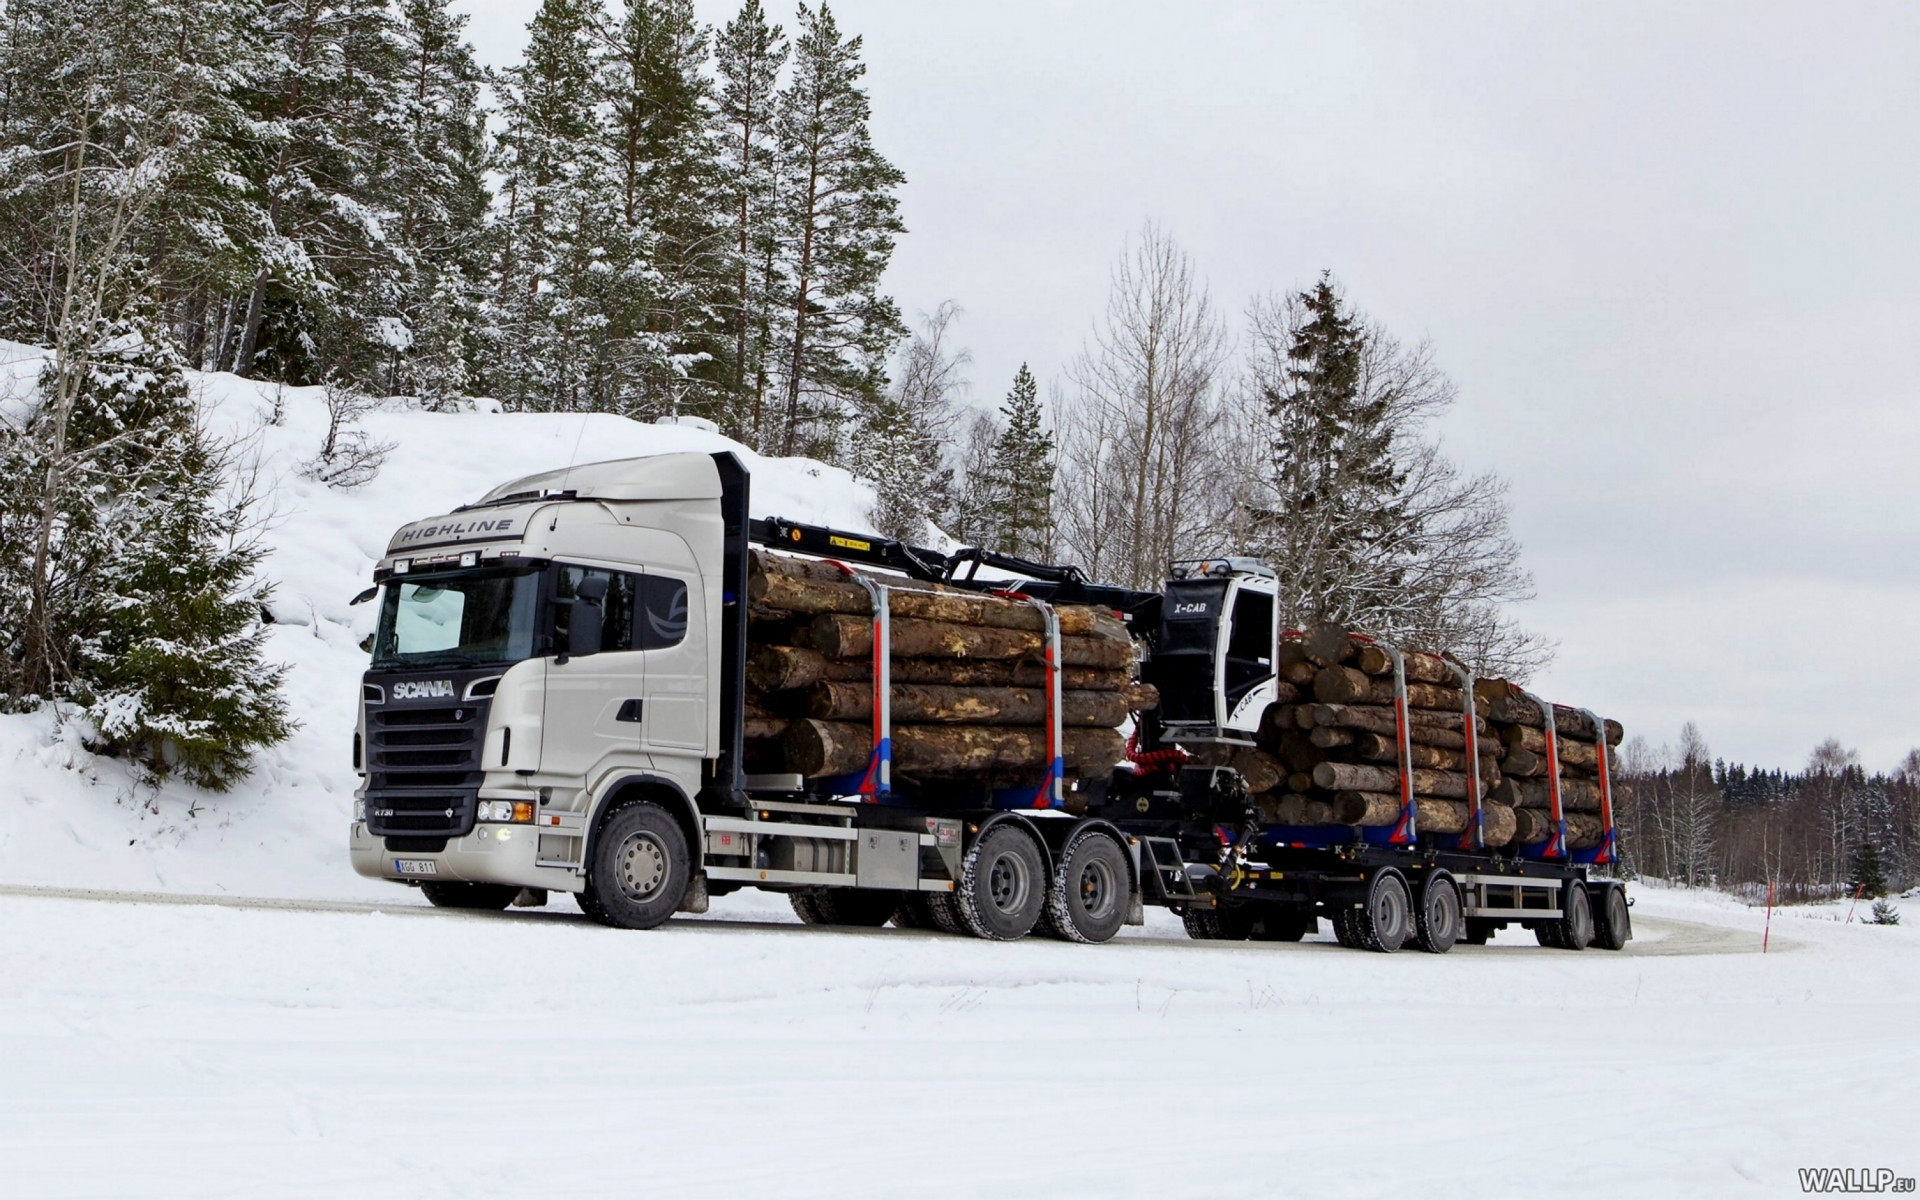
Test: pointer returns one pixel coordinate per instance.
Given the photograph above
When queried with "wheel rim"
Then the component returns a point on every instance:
(1443, 914)
(1007, 884)
(1097, 889)
(643, 866)
(1389, 911)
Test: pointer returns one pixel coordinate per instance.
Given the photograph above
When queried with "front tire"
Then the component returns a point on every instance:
(1003, 885)
(1087, 901)
(640, 868)
(477, 897)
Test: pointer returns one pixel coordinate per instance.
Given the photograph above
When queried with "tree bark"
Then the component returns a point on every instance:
(1380, 747)
(1262, 771)
(776, 668)
(1328, 645)
(1433, 728)
(1420, 667)
(1361, 778)
(1508, 705)
(838, 636)
(1576, 795)
(1366, 808)
(815, 748)
(776, 583)
(1532, 825)
(1348, 685)
(935, 704)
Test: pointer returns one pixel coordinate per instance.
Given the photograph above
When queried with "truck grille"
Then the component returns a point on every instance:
(423, 768)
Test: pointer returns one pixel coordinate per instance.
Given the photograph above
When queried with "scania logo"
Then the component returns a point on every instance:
(423, 689)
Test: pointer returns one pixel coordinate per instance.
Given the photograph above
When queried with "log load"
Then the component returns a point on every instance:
(968, 697)
(816, 748)
(1337, 741)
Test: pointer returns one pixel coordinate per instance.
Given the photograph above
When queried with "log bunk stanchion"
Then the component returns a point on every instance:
(875, 784)
(1474, 836)
(1407, 829)
(1556, 843)
(1052, 790)
(1605, 851)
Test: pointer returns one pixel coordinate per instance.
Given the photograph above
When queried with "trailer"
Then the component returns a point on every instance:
(556, 702)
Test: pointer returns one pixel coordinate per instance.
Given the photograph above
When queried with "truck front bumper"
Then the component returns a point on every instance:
(507, 854)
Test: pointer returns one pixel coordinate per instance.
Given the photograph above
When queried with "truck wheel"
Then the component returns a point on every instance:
(490, 897)
(1479, 932)
(1342, 922)
(912, 912)
(1003, 885)
(1387, 919)
(1437, 926)
(858, 908)
(1612, 927)
(805, 908)
(640, 867)
(945, 911)
(1088, 900)
(1576, 926)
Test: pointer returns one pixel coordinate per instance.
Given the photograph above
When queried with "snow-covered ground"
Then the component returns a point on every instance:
(365, 1045)
(178, 1050)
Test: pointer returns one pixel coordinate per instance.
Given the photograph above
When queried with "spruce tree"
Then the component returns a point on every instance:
(1021, 489)
(1867, 875)
(153, 607)
(839, 216)
(749, 54)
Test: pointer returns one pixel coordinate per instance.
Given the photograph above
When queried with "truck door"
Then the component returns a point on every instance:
(671, 636)
(1247, 670)
(594, 700)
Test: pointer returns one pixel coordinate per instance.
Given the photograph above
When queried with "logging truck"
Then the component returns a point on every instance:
(612, 681)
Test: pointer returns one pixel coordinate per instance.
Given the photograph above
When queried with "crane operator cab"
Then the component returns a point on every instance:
(1214, 658)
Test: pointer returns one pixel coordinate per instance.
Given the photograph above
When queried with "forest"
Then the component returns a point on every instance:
(661, 219)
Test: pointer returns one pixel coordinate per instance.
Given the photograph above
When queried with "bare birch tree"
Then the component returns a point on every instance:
(1141, 426)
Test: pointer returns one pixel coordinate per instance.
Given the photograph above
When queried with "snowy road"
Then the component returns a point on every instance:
(294, 1048)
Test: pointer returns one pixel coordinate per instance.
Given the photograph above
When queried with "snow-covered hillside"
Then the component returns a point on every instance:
(71, 819)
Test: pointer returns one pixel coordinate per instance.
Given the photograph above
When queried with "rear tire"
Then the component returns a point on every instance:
(1277, 922)
(912, 912)
(1220, 923)
(1612, 926)
(1437, 925)
(1090, 891)
(1003, 885)
(1576, 925)
(1387, 920)
(482, 897)
(1343, 927)
(945, 912)
(805, 909)
(852, 908)
(640, 867)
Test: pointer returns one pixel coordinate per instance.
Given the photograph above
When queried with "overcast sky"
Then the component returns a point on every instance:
(1668, 252)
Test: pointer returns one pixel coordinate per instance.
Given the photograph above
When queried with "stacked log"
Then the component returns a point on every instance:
(1520, 726)
(1334, 750)
(968, 699)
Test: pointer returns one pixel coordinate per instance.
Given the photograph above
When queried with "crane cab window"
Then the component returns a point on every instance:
(1249, 644)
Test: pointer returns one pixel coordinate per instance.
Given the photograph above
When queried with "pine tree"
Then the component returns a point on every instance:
(1867, 876)
(661, 125)
(439, 201)
(750, 54)
(565, 256)
(1021, 488)
(838, 220)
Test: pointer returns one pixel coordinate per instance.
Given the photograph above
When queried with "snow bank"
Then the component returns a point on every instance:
(68, 818)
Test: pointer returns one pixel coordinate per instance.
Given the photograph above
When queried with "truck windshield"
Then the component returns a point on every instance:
(464, 619)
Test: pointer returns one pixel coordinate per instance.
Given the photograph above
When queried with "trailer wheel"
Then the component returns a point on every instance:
(1343, 931)
(945, 912)
(804, 908)
(1573, 930)
(1437, 926)
(1387, 919)
(488, 897)
(640, 868)
(1087, 901)
(1480, 931)
(1003, 885)
(1221, 923)
(1612, 927)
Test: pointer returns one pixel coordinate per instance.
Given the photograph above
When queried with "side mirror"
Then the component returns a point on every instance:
(584, 623)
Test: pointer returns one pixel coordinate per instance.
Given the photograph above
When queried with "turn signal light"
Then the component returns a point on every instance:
(522, 812)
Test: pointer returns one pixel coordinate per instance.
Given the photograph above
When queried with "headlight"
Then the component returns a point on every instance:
(505, 811)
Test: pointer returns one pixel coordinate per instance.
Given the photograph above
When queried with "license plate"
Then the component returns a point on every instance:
(415, 866)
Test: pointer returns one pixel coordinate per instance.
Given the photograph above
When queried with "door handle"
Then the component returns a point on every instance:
(629, 711)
